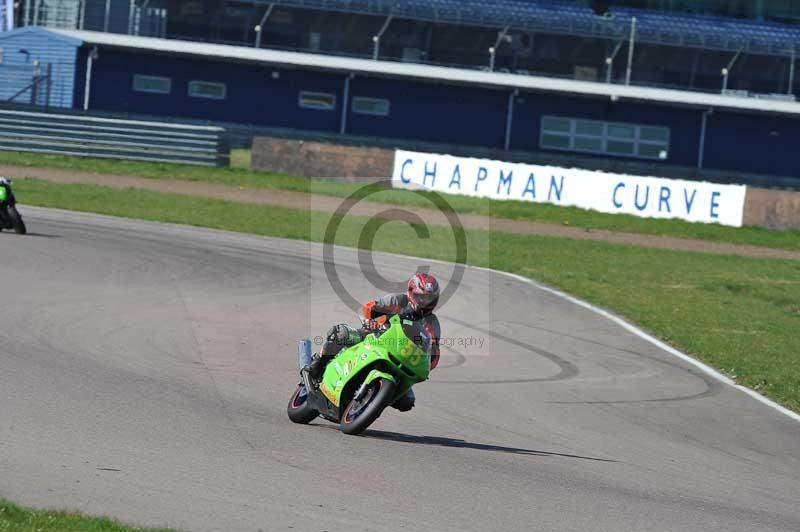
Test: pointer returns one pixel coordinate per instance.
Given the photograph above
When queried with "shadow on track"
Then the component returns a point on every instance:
(35, 235)
(463, 444)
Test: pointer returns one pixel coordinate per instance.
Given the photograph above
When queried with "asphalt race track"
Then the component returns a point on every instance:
(145, 371)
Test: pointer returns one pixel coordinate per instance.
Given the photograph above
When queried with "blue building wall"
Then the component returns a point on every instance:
(471, 116)
(255, 95)
(753, 143)
(269, 97)
(16, 68)
(684, 124)
(432, 113)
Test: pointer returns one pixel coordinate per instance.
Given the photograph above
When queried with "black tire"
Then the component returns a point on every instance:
(16, 220)
(298, 409)
(377, 397)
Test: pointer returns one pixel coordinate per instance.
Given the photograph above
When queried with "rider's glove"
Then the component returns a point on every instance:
(371, 325)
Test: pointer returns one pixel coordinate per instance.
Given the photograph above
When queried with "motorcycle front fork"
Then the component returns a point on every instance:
(304, 357)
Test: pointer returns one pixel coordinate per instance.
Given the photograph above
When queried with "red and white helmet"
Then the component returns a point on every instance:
(423, 292)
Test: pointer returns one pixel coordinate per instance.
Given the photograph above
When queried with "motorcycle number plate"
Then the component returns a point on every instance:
(3, 193)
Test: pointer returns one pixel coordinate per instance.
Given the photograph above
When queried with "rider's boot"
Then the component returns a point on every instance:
(338, 337)
(317, 366)
(406, 402)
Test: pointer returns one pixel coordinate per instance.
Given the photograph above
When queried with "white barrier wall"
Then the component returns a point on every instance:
(647, 197)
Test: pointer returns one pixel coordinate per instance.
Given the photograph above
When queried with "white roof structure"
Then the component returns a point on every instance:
(435, 74)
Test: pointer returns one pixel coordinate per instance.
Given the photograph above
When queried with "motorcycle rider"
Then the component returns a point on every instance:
(417, 305)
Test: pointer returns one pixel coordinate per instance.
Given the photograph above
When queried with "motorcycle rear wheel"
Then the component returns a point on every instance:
(360, 414)
(299, 410)
(16, 220)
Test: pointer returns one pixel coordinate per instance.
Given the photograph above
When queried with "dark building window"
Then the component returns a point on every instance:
(152, 84)
(207, 89)
(322, 101)
(605, 138)
(371, 106)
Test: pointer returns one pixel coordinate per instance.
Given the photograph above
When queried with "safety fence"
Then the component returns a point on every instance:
(26, 83)
(110, 138)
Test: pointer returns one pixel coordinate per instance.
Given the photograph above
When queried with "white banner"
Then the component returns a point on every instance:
(647, 197)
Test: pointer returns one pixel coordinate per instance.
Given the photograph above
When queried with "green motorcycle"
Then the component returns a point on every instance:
(363, 379)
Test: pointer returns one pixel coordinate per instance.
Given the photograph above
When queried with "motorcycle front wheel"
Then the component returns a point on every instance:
(299, 410)
(361, 413)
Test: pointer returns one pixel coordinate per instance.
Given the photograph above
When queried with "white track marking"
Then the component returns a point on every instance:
(708, 370)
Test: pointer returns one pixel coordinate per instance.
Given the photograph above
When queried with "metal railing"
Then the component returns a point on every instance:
(138, 140)
(114, 16)
(560, 17)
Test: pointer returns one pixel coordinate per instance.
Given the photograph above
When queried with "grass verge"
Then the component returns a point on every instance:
(241, 176)
(741, 315)
(14, 518)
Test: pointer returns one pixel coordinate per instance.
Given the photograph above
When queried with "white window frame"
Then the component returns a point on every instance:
(371, 100)
(314, 94)
(151, 91)
(605, 137)
(207, 96)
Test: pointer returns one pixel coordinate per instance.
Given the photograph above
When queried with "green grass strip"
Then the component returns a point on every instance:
(515, 210)
(14, 518)
(741, 315)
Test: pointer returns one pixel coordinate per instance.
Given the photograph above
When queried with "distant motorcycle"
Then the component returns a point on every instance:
(9, 215)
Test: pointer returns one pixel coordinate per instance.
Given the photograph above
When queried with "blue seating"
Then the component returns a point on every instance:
(670, 28)
(709, 30)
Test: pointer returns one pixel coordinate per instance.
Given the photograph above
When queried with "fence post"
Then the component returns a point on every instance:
(48, 86)
(629, 72)
(260, 27)
(108, 16)
(131, 10)
(376, 39)
(726, 72)
(610, 61)
(35, 84)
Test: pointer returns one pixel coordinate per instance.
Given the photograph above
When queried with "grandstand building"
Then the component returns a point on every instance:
(678, 43)
(660, 86)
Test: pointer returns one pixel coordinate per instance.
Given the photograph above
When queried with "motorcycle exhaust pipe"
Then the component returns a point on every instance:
(304, 353)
